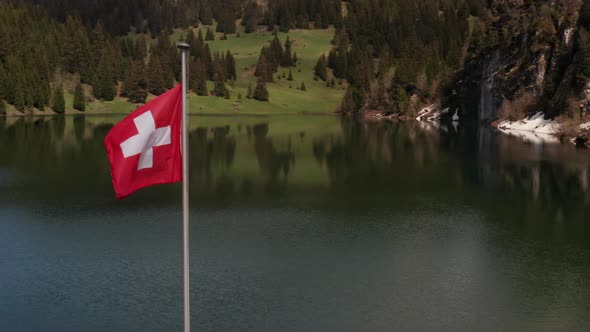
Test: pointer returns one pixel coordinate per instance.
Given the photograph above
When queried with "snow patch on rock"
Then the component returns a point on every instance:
(536, 123)
(431, 113)
(535, 129)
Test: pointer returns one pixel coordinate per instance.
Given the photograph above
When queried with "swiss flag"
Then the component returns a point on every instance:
(144, 149)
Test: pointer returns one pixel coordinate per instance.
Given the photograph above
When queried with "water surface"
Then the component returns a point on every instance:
(298, 223)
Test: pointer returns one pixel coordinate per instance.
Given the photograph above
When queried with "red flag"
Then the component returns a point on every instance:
(144, 149)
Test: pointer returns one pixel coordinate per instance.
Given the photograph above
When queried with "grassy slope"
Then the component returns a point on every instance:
(285, 96)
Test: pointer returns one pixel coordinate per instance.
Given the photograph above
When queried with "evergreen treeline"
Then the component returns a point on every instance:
(290, 14)
(390, 50)
(271, 58)
(397, 54)
(35, 52)
(28, 56)
(203, 65)
(535, 32)
(146, 15)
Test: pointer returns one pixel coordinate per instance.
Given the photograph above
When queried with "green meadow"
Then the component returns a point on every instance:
(285, 96)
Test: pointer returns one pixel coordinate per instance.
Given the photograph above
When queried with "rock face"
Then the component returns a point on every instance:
(585, 100)
(504, 73)
(520, 64)
(488, 95)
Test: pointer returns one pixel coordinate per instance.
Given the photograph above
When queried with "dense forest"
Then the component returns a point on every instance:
(124, 49)
(474, 56)
(480, 57)
(391, 50)
(36, 52)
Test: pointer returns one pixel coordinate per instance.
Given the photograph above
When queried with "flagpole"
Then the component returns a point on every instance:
(184, 48)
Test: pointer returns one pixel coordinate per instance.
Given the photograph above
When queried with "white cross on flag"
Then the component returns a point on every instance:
(144, 148)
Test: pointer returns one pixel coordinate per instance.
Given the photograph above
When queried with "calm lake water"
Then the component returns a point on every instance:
(300, 223)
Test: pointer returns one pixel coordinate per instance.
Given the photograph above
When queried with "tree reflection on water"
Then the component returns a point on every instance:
(343, 162)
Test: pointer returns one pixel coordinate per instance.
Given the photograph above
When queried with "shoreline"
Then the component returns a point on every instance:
(213, 114)
(532, 128)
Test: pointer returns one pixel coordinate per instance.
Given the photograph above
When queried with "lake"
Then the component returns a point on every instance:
(298, 223)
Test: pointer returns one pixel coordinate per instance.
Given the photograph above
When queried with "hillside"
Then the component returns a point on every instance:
(56, 46)
(284, 95)
(484, 60)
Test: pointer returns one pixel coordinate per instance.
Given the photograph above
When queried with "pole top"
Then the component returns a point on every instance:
(183, 46)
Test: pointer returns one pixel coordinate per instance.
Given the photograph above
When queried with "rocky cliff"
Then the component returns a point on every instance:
(522, 57)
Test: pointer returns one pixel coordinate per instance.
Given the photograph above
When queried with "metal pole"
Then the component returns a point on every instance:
(185, 230)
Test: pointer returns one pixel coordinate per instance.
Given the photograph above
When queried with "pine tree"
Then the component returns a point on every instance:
(220, 66)
(6, 44)
(381, 98)
(230, 66)
(208, 58)
(276, 50)
(263, 68)
(226, 22)
(104, 87)
(303, 88)
(399, 100)
(290, 77)
(2, 107)
(332, 59)
(97, 43)
(261, 93)
(347, 106)
(341, 61)
(19, 97)
(285, 19)
(192, 41)
(295, 60)
(76, 48)
(206, 15)
(79, 98)
(14, 82)
(155, 76)
(198, 79)
(58, 101)
(219, 89)
(38, 80)
(287, 60)
(140, 48)
(321, 68)
(136, 86)
(251, 16)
